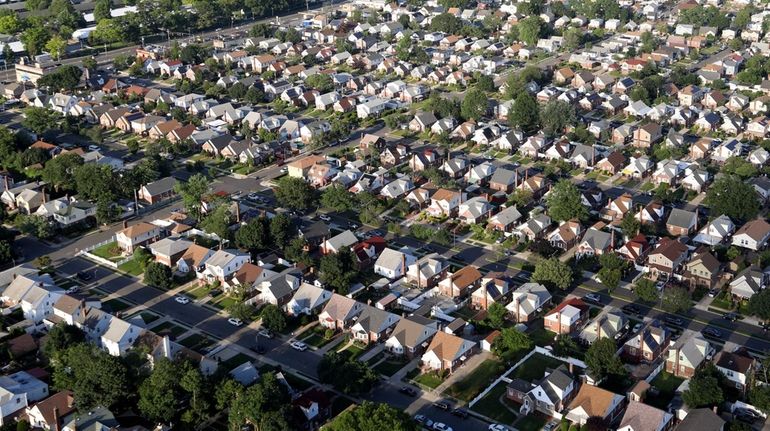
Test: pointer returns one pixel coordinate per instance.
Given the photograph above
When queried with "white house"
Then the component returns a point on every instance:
(34, 294)
(223, 264)
(393, 264)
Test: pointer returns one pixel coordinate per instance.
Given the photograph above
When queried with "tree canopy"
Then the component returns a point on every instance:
(372, 417)
(602, 360)
(94, 376)
(565, 202)
(347, 375)
(733, 197)
(295, 193)
(704, 388)
(554, 273)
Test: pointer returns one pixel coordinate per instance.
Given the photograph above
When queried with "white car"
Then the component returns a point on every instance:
(299, 346)
(265, 333)
(440, 426)
(72, 289)
(93, 148)
(182, 299)
(325, 217)
(498, 427)
(235, 321)
(284, 170)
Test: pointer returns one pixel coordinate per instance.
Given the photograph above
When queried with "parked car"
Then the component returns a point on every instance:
(731, 316)
(712, 332)
(460, 413)
(406, 390)
(93, 148)
(676, 321)
(85, 276)
(235, 321)
(440, 426)
(632, 309)
(72, 289)
(182, 299)
(264, 332)
(324, 217)
(422, 420)
(501, 427)
(713, 292)
(299, 346)
(593, 297)
(443, 405)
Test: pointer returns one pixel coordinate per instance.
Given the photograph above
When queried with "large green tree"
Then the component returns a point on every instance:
(553, 272)
(676, 299)
(60, 171)
(94, 376)
(556, 116)
(158, 275)
(372, 417)
(273, 318)
(160, 394)
(733, 197)
(525, 113)
(602, 360)
(254, 235)
(759, 304)
(338, 198)
(474, 105)
(338, 270)
(612, 269)
(564, 202)
(511, 342)
(281, 230)
(345, 374)
(192, 193)
(295, 193)
(704, 389)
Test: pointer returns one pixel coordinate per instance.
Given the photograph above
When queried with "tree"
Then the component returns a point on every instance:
(60, 171)
(371, 416)
(249, 406)
(281, 230)
(254, 235)
(553, 272)
(218, 221)
(35, 225)
(94, 376)
(486, 83)
(102, 10)
(759, 304)
(759, 395)
(34, 39)
(158, 393)
(510, 342)
(56, 46)
(530, 29)
(573, 38)
(447, 23)
(630, 225)
(273, 318)
(731, 196)
(676, 299)
(612, 269)
(345, 374)
(60, 337)
(565, 203)
(338, 198)
(704, 389)
(94, 181)
(158, 275)
(66, 77)
(10, 23)
(474, 105)
(555, 116)
(321, 82)
(338, 270)
(106, 31)
(40, 120)
(192, 193)
(646, 291)
(602, 360)
(295, 193)
(525, 113)
(496, 313)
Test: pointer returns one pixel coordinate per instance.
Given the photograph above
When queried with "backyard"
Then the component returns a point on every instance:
(475, 382)
(666, 385)
(132, 267)
(116, 305)
(534, 368)
(197, 342)
(110, 251)
(492, 407)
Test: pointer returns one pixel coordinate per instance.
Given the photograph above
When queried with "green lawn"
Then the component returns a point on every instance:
(133, 267)
(491, 407)
(225, 302)
(198, 293)
(431, 380)
(666, 384)
(196, 342)
(646, 187)
(354, 351)
(109, 251)
(722, 301)
(316, 340)
(116, 305)
(475, 382)
(169, 328)
(389, 367)
(542, 337)
(534, 367)
(531, 423)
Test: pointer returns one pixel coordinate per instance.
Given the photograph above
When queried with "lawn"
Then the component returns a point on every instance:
(431, 380)
(534, 367)
(116, 305)
(722, 301)
(196, 342)
(109, 251)
(225, 302)
(235, 361)
(542, 336)
(389, 367)
(475, 382)
(491, 407)
(297, 383)
(169, 328)
(198, 293)
(646, 187)
(531, 423)
(316, 340)
(354, 351)
(666, 384)
(133, 267)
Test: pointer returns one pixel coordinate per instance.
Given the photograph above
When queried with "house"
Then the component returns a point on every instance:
(393, 264)
(308, 299)
(643, 417)
(635, 249)
(273, 289)
(137, 235)
(158, 191)
(618, 208)
(609, 323)
(593, 401)
(474, 210)
(551, 394)
(704, 419)
(534, 228)
(446, 352)
(738, 366)
(594, 243)
(444, 202)
(748, 283)
(223, 264)
(34, 294)
(566, 235)
(528, 300)
(752, 235)
(460, 283)
(687, 354)
(18, 391)
(567, 316)
(716, 231)
(427, 271)
(681, 222)
(194, 259)
(613, 163)
(119, 336)
(340, 312)
(494, 287)
(47, 414)
(411, 336)
(338, 242)
(168, 251)
(373, 325)
(97, 419)
(647, 135)
(648, 344)
(666, 258)
(505, 220)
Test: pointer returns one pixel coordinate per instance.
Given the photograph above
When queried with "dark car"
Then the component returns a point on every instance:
(460, 413)
(712, 332)
(676, 321)
(632, 309)
(443, 405)
(406, 390)
(732, 317)
(85, 276)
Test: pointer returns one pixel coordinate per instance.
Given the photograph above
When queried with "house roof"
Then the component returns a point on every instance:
(138, 229)
(755, 229)
(341, 307)
(734, 361)
(594, 400)
(701, 420)
(413, 329)
(448, 347)
(465, 276)
(63, 402)
(643, 417)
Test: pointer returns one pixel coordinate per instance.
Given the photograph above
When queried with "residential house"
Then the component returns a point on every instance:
(752, 235)
(223, 264)
(460, 283)
(566, 235)
(505, 220)
(446, 352)
(494, 287)
(647, 135)
(345, 239)
(158, 191)
(643, 417)
(703, 419)
(702, 270)
(307, 300)
(551, 394)
(340, 312)
(427, 271)
(168, 251)
(737, 366)
(667, 258)
(393, 264)
(593, 401)
(749, 282)
(716, 231)
(609, 323)
(681, 222)
(528, 300)
(138, 235)
(411, 336)
(595, 243)
(34, 294)
(687, 354)
(373, 325)
(648, 344)
(567, 316)
(18, 391)
(444, 202)
(47, 414)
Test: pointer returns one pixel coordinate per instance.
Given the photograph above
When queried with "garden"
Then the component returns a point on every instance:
(475, 382)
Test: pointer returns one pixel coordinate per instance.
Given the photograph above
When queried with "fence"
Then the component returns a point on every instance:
(654, 373)
(100, 260)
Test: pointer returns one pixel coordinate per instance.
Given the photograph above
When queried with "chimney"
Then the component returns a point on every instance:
(237, 212)
(571, 368)
(696, 218)
(403, 262)
(44, 197)
(7, 182)
(526, 175)
(593, 156)
(125, 224)
(558, 320)
(56, 419)
(515, 179)
(612, 239)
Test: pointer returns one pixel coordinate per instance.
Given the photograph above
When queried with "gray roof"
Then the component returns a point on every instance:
(414, 329)
(701, 420)
(641, 417)
(170, 246)
(559, 378)
(508, 215)
(681, 218)
(503, 176)
(344, 239)
(372, 319)
(97, 419)
(598, 240)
